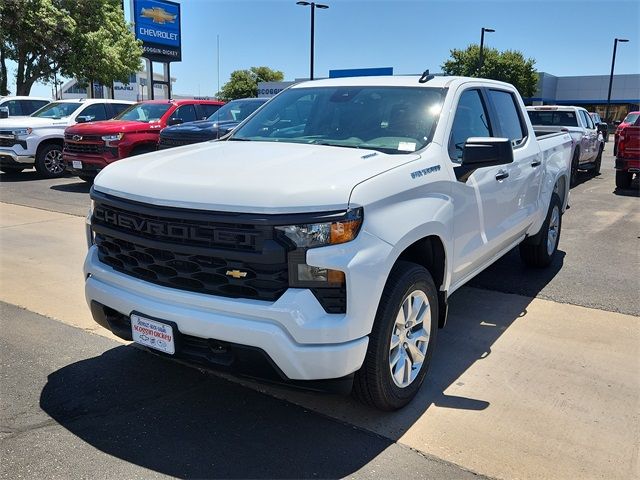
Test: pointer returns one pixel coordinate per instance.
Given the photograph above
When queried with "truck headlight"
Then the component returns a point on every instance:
(110, 139)
(321, 234)
(21, 132)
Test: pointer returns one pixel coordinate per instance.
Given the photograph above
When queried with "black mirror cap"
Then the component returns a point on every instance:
(174, 121)
(4, 113)
(482, 152)
(82, 119)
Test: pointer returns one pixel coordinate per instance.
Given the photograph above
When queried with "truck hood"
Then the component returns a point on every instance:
(31, 122)
(106, 127)
(252, 177)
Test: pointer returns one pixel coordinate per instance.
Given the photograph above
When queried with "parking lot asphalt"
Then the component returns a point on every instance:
(76, 405)
(598, 247)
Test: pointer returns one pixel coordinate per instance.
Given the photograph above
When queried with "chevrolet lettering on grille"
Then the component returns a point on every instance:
(170, 230)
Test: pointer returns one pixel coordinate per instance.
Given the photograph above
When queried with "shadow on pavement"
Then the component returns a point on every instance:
(176, 420)
(79, 187)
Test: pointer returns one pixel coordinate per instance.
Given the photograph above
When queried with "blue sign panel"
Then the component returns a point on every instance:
(157, 24)
(361, 72)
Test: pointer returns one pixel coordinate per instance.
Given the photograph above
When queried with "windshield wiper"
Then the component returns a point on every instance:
(239, 139)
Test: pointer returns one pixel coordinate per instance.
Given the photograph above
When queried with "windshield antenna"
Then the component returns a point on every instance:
(426, 77)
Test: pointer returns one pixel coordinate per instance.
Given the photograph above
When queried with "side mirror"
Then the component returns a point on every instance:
(4, 112)
(617, 122)
(482, 152)
(174, 121)
(83, 119)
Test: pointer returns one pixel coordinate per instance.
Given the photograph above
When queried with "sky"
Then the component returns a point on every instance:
(565, 37)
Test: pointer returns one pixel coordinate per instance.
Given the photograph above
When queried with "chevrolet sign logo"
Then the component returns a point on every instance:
(236, 274)
(158, 15)
(76, 138)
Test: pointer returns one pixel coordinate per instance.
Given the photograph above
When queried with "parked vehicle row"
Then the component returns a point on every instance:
(37, 140)
(90, 148)
(319, 241)
(587, 139)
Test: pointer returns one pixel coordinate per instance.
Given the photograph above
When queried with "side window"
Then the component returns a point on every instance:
(94, 112)
(471, 120)
(15, 108)
(587, 119)
(36, 105)
(208, 109)
(509, 120)
(186, 112)
(118, 108)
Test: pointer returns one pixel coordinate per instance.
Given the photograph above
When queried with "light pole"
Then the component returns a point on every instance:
(489, 30)
(613, 64)
(313, 5)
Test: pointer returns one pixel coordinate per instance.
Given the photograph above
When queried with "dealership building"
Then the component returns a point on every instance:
(589, 92)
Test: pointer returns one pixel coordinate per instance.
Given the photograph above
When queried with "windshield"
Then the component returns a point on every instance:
(235, 111)
(553, 118)
(389, 119)
(57, 110)
(144, 112)
(631, 118)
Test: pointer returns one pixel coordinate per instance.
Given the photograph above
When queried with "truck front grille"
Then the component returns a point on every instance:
(184, 249)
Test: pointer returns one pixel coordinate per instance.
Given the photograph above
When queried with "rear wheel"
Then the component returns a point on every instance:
(402, 341)
(574, 168)
(539, 250)
(598, 162)
(623, 179)
(49, 162)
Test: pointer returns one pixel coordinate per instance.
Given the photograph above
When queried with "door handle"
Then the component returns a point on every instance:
(501, 175)
(536, 163)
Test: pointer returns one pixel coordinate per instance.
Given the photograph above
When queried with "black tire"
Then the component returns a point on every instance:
(534, 251)
(49, 163)
(12, 169)
(615, 147)
(575, 160)
(598, 162)
(373, 383)
(623, 180)
(87, 178)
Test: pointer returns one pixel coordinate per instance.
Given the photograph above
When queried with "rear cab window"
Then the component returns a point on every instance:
(553, 118)
(508, 115)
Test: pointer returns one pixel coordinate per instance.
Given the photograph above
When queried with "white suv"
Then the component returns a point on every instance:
(37, 140)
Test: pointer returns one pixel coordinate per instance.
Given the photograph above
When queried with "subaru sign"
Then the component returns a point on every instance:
(157, 24)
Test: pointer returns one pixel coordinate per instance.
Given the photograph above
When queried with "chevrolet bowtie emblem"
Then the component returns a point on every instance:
(77, 138)
(158, 15)
(236, 274)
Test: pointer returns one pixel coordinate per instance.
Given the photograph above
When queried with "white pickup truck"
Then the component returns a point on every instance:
(37, 140)
(321, 239)
(587, 139)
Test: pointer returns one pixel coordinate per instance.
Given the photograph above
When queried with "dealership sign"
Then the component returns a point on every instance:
(157, 24)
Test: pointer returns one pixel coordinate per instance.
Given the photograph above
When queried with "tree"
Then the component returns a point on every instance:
(76, 38)
(507, 66)
(244, 83)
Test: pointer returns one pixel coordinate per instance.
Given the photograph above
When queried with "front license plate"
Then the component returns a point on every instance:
(153, 334)
(77, 164)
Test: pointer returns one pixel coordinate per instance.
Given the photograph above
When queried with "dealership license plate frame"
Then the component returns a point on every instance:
(76, 164)
(153, 333)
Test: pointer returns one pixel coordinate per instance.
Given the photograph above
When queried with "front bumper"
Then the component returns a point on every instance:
(10, 158)
(296, 334)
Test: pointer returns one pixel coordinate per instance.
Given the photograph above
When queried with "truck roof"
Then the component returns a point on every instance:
(92, 100)
(553, 108)
(396, 81)
(185, 100)
(22, 97)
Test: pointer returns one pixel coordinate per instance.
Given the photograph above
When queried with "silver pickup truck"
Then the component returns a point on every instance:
(587, 140)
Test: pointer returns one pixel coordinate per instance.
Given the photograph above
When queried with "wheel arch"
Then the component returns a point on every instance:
(49, 141)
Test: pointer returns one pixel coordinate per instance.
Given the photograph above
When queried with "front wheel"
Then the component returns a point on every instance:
(402, 341)
(539, 250)
(49, 162)
(598, 162)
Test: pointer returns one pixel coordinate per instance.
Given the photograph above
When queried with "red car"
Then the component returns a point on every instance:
(630, 119)
(89, 147)
(628, 150)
